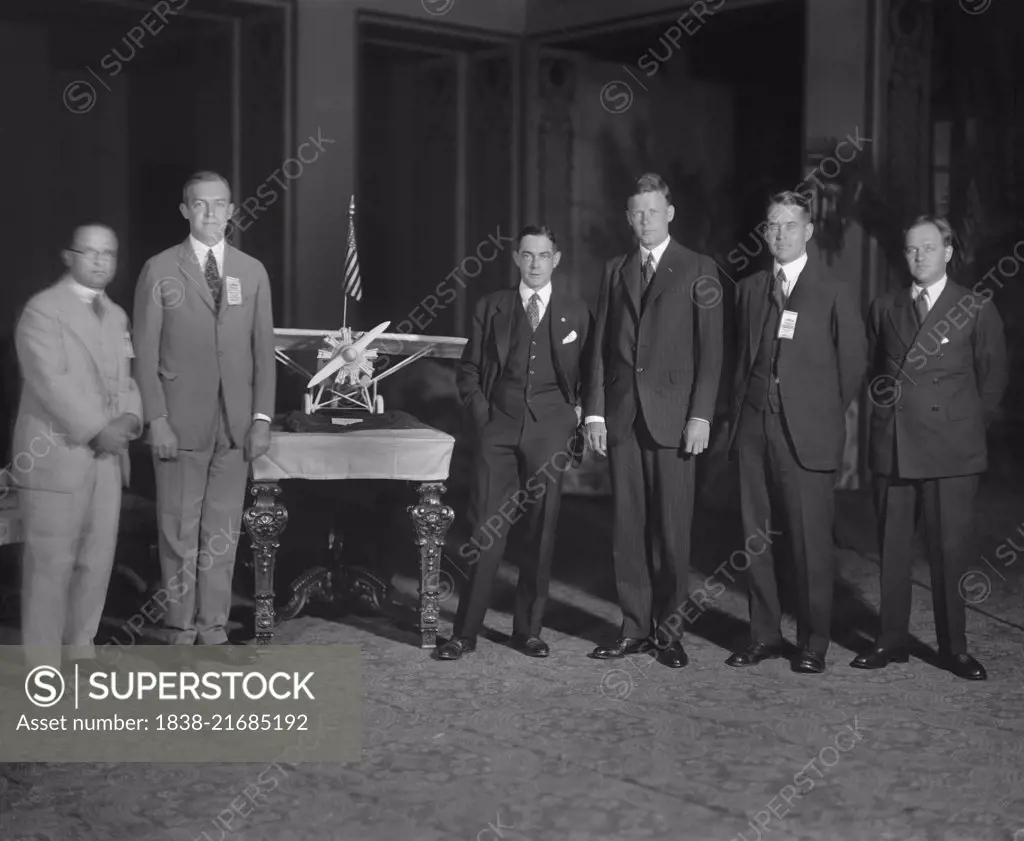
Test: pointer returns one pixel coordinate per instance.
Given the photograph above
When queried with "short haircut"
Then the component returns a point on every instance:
(93, 224)
(536, 231)
(650, 182)
(938, 221)
(200, 177)
(789, 198)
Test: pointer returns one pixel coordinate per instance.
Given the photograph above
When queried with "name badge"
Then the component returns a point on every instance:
(233, 290)
(787, 324)
(128, 349)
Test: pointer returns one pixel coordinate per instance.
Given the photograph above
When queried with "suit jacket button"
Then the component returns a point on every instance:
(935, 408)
(640, 370)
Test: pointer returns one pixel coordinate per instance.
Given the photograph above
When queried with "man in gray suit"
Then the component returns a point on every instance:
(204, 335)
(79, 408)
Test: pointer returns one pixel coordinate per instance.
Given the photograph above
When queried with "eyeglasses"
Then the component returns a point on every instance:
(94, 255)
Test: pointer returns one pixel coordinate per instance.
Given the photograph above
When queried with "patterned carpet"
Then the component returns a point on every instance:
(499, 746)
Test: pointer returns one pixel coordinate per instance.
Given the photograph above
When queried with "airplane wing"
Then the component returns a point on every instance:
(289, 340)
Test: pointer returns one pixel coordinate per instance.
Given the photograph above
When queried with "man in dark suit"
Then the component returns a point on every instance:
(649, 400)
(938, 362)
(519, 381)
(802, 357)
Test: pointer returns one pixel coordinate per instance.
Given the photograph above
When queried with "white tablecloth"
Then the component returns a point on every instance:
(417, 455)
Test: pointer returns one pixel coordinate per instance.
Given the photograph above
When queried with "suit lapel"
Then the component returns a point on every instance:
(672, 261)
(558, 329)
(631, 279)
(904, 319)
(502, 330)
(82, 322)
(193, 274)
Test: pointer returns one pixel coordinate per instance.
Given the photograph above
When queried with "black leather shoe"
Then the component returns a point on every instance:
(966, 667)
(531, 646)
(754, 654)
(674, 656)
(880, 657)
(809, 663)
(455, 648)
(621, 647)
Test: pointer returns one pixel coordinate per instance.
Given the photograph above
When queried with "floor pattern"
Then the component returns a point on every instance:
(499, 746)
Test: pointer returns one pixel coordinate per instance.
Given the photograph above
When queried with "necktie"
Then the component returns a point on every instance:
(97, 306)
(213, 277)
(779, 290)
(533, 310)
(921, 306)
(648, 269)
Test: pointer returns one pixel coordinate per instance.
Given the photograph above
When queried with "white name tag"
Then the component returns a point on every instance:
(128, 349)
(233, 290)
(787, 324)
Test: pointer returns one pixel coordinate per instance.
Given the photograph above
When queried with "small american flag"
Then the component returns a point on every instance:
(353, 282)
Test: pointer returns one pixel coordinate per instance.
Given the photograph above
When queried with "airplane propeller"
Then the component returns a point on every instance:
(348, 353)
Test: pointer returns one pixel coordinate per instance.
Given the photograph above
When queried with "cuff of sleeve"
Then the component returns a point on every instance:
(593, 419)
(260, 416)
(702, 420)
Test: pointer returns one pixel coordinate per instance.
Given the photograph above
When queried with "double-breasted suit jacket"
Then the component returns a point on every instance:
(934, 388)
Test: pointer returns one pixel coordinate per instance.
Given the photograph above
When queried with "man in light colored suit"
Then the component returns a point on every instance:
(79, 409)
(204, 336)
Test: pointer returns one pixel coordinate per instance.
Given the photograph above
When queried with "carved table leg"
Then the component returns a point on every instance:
(265, 521)
(431, 518)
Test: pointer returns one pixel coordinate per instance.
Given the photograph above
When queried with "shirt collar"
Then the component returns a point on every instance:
(658, 251)
(85, 293)
(525, 292)
(934, 290)
(200, 249)
(792, 269)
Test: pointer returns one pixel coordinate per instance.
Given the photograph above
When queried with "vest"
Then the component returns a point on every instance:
(763, 385)
(528, 380)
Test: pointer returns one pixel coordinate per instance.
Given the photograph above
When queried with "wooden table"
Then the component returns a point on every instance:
(421, 455)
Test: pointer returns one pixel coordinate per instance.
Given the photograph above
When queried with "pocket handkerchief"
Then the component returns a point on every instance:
(570, 338)
(944, 341)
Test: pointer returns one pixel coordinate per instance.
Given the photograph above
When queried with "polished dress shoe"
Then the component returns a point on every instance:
(455, 648)
(964, 666)
(754, 654)
(673, 656)
(880, 657)
(621, 647)
(809, 663)
(530, 646)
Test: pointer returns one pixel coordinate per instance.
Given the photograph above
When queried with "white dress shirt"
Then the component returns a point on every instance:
(86, 294)
(934, 290)
(201, 249)
(525, 292)
(658, 251)
(791, 271)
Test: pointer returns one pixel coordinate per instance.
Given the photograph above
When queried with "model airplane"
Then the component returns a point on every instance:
(347, 377)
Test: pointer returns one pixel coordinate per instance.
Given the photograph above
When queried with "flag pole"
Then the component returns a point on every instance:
(351, 222)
